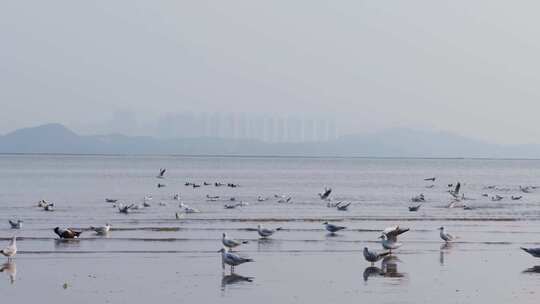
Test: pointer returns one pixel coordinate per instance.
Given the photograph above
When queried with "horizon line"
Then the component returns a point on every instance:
(270, 156)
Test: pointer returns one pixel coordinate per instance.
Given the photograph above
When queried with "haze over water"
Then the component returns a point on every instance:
(150, 255)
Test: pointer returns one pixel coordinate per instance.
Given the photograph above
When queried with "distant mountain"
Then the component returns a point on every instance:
(56, 138)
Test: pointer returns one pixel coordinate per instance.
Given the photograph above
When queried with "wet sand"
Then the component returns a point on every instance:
(296, 266)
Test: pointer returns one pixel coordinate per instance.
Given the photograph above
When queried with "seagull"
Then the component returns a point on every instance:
(415, 208)
(455, 192)
(372, 256)
(125, 209)
(535, 252)
(67, 233)
(285, 200)
(15, 224)
(176, 196)
(49, 207)
(430, 179)
(42, 203)
(418, 198)
(159, 185)
(333, 228)
(178, 215)
(211, 198)
(326, 194)
(261, 199)
(525, 189)
(266, 232)
(102, 229)
(343, 207)
(161, 173)
(11, 249)
(389, 237)
(230, 206)
(207, 184)
(447, 237)
(232, 259)
(231, 243)
(188, 209)
(191, 210)
(496, 198)
(333, 205)
(515, 198)
(110, 200)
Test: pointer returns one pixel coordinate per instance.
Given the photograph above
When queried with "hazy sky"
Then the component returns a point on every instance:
(469, 67)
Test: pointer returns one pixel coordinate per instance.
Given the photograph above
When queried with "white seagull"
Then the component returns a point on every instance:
(232, 259)
(447, 237)
(265, 232)
(231, 243)
(101, 229)
(11, 249)
(389, 237)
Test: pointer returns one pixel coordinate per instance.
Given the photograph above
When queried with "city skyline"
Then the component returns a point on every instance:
(229, 125)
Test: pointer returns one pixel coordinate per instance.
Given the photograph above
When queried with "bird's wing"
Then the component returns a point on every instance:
(11, 249)
(532, 251)
(392, 232)
(380, 255)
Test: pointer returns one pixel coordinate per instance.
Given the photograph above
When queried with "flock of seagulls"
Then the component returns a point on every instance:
(388, 237)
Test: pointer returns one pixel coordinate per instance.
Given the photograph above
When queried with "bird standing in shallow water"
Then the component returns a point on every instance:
(389, 237)
(265, 232)
(333, 228)
(231, 243)
(102, 229)
(447, 237)
(11, 250)
(372, 256)
(232, 259)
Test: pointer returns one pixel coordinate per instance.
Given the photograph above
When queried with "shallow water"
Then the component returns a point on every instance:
(150, 253)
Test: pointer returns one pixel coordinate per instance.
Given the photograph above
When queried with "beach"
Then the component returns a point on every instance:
(150, 255)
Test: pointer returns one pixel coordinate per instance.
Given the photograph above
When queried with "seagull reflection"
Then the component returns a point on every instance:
(389, 267)
(534, 269)
(66, 243)
(232, 279)
(264, 244)
(372, 271)
(444, 247)
(10, 269)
